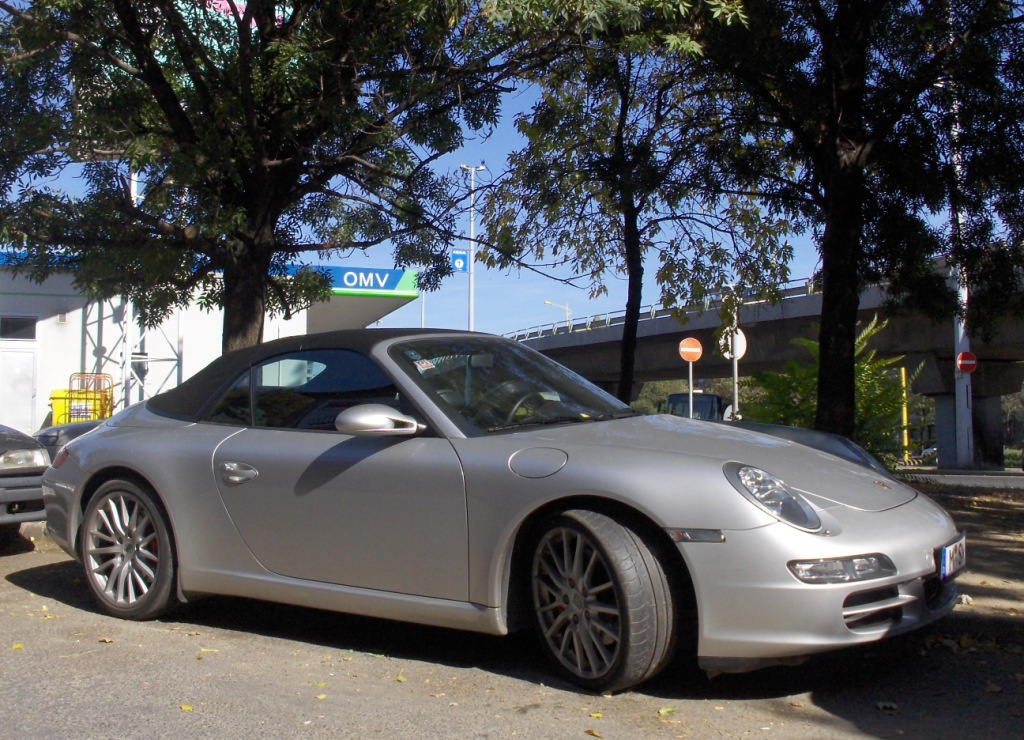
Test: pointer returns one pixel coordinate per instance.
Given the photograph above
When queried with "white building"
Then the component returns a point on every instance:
(57, 345)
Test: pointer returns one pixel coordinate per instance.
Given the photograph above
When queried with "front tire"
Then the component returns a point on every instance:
(602, 602)
(127, 551)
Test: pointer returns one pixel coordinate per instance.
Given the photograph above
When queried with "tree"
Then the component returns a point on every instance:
(791, 397)
(897, 112)
(653, 394)
(614, 170)
(257, 133)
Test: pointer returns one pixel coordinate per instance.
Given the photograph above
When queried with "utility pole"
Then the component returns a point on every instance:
(472, 230)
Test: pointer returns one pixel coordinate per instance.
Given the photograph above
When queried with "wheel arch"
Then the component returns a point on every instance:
(516, 584)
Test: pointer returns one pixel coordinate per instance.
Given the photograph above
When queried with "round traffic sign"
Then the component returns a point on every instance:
(966, 362)
(730, 340)
(690, 349)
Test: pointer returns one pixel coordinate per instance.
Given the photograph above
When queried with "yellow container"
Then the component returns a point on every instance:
(80, 405)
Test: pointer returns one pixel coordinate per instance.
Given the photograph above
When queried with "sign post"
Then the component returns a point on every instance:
(733, 346)
(470, 256)
(690, 350)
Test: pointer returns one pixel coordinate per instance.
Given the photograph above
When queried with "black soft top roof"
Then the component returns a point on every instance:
(188, 401)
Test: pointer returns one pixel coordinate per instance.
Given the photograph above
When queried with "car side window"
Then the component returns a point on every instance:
(233, 407)
(304, 390)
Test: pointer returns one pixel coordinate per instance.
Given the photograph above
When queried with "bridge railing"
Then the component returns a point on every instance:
(792, 289)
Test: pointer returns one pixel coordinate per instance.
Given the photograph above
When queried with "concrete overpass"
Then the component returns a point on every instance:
(591, 348)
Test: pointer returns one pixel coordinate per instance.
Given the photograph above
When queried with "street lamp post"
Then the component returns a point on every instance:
(568, 313)
(470, 257)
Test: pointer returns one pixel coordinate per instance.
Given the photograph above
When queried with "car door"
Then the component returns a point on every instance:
(385, 513)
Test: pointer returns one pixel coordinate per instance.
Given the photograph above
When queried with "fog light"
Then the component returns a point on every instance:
(843, 570)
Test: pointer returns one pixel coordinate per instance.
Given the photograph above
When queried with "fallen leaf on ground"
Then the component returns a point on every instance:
(592, 733)
(106, 640)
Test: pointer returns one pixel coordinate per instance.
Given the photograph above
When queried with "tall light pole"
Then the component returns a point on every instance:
(568, 312)
(470, 257)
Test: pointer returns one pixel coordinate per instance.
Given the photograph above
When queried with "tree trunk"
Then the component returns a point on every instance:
(634, 295)
(245, 301)
(844, 156)
(840, 251)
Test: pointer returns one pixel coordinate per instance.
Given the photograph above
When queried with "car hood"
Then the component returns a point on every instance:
(12, 439)
(826, 478)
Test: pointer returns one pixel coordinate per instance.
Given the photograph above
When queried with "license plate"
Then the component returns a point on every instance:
(952, 558)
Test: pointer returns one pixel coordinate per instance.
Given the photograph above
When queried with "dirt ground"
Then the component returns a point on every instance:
(994, 521)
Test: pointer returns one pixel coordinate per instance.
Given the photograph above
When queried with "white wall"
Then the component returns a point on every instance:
(75, 336)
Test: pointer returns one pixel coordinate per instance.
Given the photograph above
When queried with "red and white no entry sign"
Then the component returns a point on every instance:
(690, 349)
(966, 362)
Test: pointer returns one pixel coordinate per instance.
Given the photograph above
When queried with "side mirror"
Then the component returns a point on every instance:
(376, 420)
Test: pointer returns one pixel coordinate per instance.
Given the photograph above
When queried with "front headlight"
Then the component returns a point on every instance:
(843, 570)
(772, 495)
(29, 459)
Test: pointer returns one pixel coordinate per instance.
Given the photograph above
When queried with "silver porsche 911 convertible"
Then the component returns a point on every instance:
(466, 481)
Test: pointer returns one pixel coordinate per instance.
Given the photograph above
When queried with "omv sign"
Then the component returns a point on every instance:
(372, 281)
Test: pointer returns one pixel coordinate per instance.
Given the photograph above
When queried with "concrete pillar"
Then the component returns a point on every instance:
(989, 430)
(945, 429)
(987, 416)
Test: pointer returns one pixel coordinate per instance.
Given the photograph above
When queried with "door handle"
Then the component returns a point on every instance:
(236, 473)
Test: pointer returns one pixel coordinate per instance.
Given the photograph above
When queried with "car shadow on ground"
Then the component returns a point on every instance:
(519, 655)
(516, 656)
(14, 543)
(60, 581)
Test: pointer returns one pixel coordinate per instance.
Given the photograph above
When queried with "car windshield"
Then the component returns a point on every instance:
(487, 385)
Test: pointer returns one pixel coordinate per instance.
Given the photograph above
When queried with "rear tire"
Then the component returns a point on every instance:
(601, 600)
(127, 551)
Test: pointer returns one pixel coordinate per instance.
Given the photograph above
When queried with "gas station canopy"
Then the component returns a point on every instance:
(360, 296)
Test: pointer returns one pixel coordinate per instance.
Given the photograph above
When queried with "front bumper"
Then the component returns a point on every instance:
(753, 611)
(21, 498)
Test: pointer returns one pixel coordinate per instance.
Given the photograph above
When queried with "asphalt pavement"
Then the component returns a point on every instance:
(236, 668)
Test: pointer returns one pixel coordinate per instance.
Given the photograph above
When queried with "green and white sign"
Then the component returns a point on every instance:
(368, 281)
